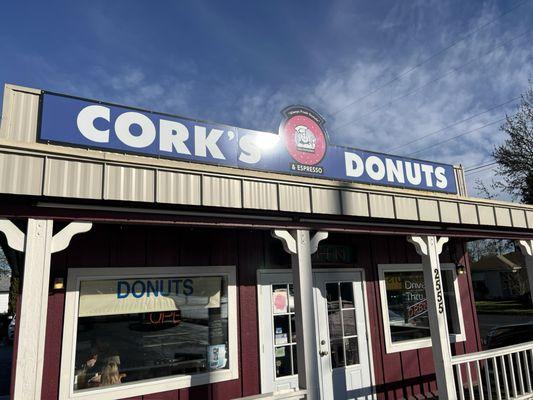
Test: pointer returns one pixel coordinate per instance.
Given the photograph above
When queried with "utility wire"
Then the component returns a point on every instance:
(432, 56)
(479, 167)
(453, 124)
(436, 79)
(477, 171)
(457, 136)
(474, 167)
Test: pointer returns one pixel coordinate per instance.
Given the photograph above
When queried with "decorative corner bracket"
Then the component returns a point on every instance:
(317, 238)
(15, 237)
(62, 239)
(422, 243)
(289, 243)
(419, 243)
(527, 247)
(441, 242)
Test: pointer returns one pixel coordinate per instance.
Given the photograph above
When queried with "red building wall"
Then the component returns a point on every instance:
(129, 246)
(399, 375)
(409, 374)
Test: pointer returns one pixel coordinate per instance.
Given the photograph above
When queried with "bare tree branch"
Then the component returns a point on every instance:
(515, 155)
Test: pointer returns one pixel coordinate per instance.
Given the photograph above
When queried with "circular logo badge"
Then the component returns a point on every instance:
(304, 139)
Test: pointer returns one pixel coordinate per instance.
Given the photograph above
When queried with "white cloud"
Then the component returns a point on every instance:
(488, 80)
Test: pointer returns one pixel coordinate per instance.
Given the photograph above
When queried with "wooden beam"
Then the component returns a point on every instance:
(300, 246)
(33, 310)
(38, 244)
(429, 248)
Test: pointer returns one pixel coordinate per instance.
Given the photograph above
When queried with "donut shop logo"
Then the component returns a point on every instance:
(304, 136)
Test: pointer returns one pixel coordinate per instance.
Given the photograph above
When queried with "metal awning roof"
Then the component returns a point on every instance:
(51, 171)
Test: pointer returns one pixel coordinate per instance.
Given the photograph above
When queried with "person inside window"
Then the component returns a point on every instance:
(101, 368)
(110, 374)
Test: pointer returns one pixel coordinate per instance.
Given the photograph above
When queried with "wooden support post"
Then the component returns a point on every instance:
(527, 249)
(429, 248)
(299, 244)
(33, 310)
(38, 245)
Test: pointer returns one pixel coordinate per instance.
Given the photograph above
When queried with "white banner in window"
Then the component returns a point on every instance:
(129, 296)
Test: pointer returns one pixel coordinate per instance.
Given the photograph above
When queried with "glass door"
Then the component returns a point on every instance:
(344, 351)
(277, 332)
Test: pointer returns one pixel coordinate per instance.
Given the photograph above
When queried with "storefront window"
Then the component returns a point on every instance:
(502, 293)
(136, 329)
(405, 303)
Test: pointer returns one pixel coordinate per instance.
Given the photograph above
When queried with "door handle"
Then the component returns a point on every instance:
(323, 353)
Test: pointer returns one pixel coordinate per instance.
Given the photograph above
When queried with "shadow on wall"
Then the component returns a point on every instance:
(418, 384)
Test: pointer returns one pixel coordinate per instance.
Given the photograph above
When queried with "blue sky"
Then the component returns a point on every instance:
(241, 62)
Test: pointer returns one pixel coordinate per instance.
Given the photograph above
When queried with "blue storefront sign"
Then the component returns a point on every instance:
(301, 147)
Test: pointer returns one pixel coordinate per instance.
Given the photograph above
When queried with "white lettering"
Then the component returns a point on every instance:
(375, 174)
(414, 176)
(250, 154)
(414, 296)
(173, 135)
(351, 170)
(86, 119)
(428, 172)
(124, 123)
(394, 171)
(414, 285)
(440, 176)
(204, 142)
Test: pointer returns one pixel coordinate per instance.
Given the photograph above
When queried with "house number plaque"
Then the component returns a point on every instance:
(438, 289)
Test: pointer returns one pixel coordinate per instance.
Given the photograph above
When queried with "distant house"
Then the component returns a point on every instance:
(5, 283)
(499, 276)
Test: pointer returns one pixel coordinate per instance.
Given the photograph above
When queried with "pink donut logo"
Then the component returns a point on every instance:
(303, 135)
(280, 301)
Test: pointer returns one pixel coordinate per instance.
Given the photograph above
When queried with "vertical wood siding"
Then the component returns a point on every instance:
(408, 374)
(140, 246)
(392, 362)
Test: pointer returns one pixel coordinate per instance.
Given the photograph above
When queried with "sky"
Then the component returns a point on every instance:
(382, 73)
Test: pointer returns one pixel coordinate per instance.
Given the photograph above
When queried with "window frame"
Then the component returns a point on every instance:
(154, 385)
(413, 344)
